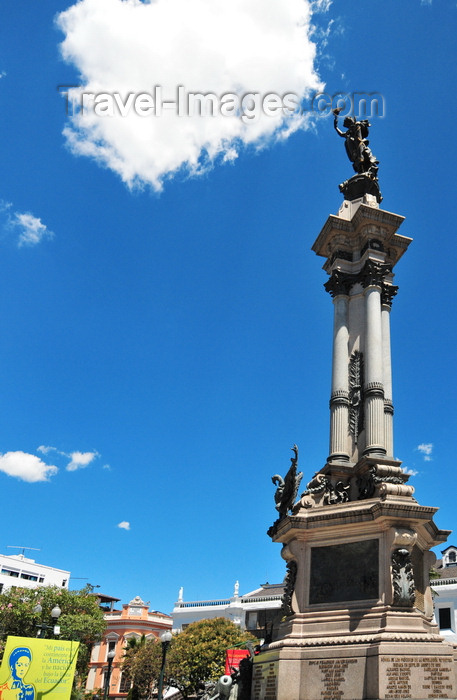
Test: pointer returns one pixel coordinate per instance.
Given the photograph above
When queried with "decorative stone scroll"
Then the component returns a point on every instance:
(289, 587)
(403, 579)
(322, 491)
(356, 394)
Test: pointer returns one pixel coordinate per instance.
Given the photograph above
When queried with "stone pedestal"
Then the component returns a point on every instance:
(360, 623)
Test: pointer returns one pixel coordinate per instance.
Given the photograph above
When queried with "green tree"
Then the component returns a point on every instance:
(142, 666)
(196, 654)
(81, 619)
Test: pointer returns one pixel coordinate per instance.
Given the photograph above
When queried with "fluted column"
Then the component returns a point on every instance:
(387, 380)
(374, 392)
(339, 400)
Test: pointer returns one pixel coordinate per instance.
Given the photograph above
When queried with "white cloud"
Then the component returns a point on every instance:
(240, 46)
(124, 525)
(321, 5)
(79, 460)
(426, 450)
(410, 472)
(26, 467)
(44, 449)
(31, 230)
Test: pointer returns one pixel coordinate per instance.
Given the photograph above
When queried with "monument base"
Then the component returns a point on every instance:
(358, 607)
(376, 670)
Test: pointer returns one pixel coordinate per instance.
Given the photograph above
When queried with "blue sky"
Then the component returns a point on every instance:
(166, 337)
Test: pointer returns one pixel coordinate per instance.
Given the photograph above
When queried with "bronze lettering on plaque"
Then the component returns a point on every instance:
(333, 676)
(436, 676)
(344, 572)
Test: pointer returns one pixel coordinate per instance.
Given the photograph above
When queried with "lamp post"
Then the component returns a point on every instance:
(165, 638)
(111, 655)
(42, 626)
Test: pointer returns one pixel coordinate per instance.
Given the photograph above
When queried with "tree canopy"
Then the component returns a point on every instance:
(81, 618)
(195, 654)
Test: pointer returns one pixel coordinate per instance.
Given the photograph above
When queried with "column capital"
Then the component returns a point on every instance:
(339, 283)
(388, 291)
(373, 274)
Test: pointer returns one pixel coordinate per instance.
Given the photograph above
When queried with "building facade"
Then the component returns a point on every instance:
(18, 570)
(445, 594)
(132, 622)
(259, 611)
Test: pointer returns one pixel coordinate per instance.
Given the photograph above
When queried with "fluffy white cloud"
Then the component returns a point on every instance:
(426, 449)
(31, 230)
(44, 449)
(410, 472)
(26, 467)
(124, 525)
(217, 46)
(79, 460)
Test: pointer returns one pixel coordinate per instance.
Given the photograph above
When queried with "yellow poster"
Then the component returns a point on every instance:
(37, 669)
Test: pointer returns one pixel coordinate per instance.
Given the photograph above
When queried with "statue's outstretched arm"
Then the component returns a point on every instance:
(338, 131)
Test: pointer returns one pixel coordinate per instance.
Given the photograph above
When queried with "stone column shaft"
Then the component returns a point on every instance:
(387, 381)
(374, 392)
(339, 400)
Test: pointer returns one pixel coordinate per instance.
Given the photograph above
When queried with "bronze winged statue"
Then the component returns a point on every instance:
(287, 488)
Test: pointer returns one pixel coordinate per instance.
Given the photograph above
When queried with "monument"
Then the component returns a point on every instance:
(358, 610)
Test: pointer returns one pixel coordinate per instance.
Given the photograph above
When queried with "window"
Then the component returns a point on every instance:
(125, 684)
(111, 647)
(444, 618)
(41, 579)
(29, 577)
(10, 572)
(452, 557)
(251, 621)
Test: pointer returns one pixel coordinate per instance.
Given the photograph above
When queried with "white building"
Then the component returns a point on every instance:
(258, 611)
(445, 594)
(18, 570)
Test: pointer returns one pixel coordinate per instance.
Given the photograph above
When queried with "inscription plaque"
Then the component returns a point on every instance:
(424, 676)
(344, 572)
(333, 677)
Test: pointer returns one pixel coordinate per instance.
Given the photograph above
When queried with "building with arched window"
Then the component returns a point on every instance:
(132, 622)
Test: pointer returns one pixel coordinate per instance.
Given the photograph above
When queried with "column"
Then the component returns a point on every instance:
(374, 392)
(339, 400)
(387, 380)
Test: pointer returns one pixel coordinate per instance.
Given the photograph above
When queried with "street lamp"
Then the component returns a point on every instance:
(165, 638)
(111, 655)
(42, 627)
